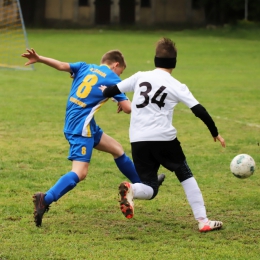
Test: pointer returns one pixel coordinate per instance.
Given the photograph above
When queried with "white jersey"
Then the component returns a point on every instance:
(156, 93)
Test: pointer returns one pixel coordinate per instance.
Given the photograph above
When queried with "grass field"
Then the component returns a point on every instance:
(220, 67)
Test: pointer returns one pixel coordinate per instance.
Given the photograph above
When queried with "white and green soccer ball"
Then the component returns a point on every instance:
(242, 166)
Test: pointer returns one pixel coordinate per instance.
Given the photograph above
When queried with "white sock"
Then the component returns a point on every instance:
(195, 199)
(142, 191)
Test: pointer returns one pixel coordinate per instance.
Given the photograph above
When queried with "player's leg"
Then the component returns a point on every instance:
(80, 156)
(192, 191)
(147, 167)
(109, 145)
(195, 199)
(67, 182)
(173, 158)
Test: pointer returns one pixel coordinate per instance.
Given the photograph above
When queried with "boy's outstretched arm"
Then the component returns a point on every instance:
(33, 57)
(200, 112)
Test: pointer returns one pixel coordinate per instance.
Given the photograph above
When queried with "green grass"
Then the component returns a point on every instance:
(220, 67)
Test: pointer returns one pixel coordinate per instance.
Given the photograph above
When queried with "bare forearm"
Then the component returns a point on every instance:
(33, 57)
(125, 106)
(59, 65)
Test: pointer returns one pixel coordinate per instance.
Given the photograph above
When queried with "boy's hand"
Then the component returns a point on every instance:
(221, 140)
(119, 108)
(31, 55)
(102, 88)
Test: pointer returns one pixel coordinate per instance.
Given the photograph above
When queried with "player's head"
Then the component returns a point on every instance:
(115, 60)
(165, 54)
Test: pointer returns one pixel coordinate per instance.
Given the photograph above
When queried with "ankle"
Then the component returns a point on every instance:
(203, 220)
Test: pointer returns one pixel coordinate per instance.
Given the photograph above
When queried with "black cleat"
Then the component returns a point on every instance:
(39, 208)
(161, 178)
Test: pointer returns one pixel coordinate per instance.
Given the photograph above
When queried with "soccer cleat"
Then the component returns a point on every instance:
(39, 208)
(126, 201)
(161, 178)
(210, 225)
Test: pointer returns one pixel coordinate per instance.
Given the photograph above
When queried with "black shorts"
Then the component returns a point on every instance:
(149, 155)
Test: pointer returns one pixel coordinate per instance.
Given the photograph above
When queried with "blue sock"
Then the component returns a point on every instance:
(66, 183)
(126, 166)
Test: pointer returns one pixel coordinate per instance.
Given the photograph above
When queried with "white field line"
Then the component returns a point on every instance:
(228, 119)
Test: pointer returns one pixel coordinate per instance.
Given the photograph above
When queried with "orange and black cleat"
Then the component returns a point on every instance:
(126, 201)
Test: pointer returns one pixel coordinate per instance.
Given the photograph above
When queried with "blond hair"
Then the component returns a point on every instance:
(113, 56)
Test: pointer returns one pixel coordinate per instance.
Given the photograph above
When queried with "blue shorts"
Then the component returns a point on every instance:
(81, 147)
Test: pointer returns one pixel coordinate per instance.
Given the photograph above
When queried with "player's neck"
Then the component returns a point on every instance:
(167, 70)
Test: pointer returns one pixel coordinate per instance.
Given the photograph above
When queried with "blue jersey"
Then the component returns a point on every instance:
(85, 97)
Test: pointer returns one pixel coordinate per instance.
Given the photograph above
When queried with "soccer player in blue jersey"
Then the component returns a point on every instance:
(80, 129)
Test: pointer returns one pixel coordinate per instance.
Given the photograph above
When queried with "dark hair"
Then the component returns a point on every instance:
(165, 48)
(114, 56)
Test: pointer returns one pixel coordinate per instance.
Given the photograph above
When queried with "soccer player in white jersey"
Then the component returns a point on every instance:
(153, 137)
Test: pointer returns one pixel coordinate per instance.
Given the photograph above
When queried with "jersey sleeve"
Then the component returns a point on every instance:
(75, 67)
(186, 97)
(120, 97)
(128, 84)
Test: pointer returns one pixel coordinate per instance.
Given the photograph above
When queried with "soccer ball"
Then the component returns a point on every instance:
(242, 166)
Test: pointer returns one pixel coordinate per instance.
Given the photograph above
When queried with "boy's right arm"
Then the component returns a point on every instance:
(33, 57)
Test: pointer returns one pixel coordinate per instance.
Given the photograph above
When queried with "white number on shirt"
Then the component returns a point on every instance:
(154, 99)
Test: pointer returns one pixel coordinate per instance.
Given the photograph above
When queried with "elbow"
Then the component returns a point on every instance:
(63, 66)
(127, 110)
(125, 106)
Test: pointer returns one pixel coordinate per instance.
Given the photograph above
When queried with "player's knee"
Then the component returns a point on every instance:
(183, 172)
(82, 176)
(154, 185)
(155, 192)
(118, 151)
